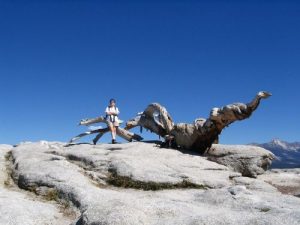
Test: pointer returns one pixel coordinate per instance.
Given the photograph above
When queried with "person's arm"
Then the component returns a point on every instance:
(107, 112)
(111, 113)
(117, 111)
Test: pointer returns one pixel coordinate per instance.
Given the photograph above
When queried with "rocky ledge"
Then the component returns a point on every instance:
(140, 183)
(21, 207)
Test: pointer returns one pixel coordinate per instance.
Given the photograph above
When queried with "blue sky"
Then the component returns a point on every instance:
(61, 61)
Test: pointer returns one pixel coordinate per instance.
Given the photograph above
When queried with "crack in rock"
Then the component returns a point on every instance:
(127, 182)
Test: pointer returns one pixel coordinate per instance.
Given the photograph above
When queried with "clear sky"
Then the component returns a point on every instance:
(61, 61)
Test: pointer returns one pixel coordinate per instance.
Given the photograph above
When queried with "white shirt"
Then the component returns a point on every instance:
(113, 110)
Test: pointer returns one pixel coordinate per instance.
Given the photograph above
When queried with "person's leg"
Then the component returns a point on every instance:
(111, 128)
(115, 127)
(114, 132)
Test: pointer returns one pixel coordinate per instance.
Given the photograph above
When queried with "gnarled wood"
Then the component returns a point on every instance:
(87, 122)
(203, 132)
(129, 136)
(198, 136)
(100, 131)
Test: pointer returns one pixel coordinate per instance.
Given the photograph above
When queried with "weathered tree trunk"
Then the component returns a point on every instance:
(129, 136)
(100, 131)
(87, 122)
(200, 135)
(155, 118)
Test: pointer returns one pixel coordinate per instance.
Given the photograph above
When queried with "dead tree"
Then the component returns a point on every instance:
(120, 131)
(200, 135)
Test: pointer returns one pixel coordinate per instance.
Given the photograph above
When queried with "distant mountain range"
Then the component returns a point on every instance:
(288, 154)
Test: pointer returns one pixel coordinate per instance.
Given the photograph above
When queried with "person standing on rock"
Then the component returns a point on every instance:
(112, 113)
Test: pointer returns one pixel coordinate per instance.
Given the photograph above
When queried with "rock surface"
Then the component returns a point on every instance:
(248, 160)
(287, 181)
(139, 183)
(4, 149)
(17, 207)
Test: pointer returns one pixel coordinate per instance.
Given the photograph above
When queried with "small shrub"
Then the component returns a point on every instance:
(265, 209)
(52, 195)
(128, 182)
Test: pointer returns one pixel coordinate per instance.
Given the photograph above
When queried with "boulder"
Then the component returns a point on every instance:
(248, 160)
(147, 164)
(140, 183)
(19, 207)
